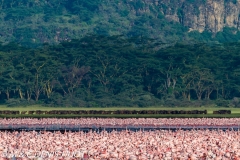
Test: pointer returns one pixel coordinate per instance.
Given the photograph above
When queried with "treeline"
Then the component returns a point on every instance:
(114, 71)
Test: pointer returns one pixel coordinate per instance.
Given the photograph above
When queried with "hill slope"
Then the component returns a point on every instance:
(33, 22)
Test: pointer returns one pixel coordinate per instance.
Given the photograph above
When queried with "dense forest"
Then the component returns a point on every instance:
(34, 22)
(117, 71)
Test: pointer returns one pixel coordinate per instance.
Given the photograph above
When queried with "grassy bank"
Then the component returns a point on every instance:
(126, 116)
(44, 108)
(235, 112)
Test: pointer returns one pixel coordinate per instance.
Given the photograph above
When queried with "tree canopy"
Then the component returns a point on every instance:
(118, 71)
(32, 23)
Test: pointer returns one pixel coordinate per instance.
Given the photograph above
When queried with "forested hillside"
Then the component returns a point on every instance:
(34, 22)
(115, 71)
(120, 52)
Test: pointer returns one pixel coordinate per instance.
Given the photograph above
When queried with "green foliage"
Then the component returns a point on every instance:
(115, 71)
(233, 1)
(32, 23)
(196, 1)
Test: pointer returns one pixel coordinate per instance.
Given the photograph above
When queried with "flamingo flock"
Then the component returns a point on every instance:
(123, 145)
(195, 144)
(117, 122)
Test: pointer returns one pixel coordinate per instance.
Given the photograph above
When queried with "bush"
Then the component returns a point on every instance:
(171, 102)
(12, 102)
(222, 103)
(235, 102)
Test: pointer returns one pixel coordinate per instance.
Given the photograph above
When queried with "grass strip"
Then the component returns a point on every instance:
(126, 116)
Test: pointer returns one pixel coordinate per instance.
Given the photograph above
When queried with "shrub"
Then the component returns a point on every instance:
(222, 103)
(235, 102)
(12, 102)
